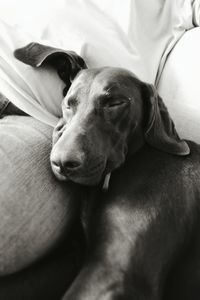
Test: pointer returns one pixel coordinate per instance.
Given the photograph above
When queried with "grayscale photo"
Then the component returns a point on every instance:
(99, 150)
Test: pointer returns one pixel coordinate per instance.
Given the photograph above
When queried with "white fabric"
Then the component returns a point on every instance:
(37, 92)
(31, 15)
(133, 34)
(153, 27)
(180, 85)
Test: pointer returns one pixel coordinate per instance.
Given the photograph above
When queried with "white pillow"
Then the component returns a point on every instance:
(179, 85)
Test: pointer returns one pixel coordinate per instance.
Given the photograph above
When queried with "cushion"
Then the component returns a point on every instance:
(179, 85)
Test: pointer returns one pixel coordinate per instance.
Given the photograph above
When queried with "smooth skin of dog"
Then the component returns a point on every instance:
(142, 234)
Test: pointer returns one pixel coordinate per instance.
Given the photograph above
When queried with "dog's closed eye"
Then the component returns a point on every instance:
(116, 103)
(113, 102)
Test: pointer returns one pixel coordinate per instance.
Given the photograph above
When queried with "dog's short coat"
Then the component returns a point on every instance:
(142, 234)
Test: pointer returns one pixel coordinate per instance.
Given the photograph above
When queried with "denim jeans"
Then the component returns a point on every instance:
(4, 102)
(36, 210)
(8, 108)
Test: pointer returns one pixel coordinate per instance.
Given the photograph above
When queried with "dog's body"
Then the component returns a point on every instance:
(142, 233)
(147, 222)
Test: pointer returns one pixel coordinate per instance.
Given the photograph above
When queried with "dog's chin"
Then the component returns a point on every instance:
(86, 181)
(93, 181)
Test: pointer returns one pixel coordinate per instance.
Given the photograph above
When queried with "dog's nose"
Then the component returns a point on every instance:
(72, 160)
(69, 162)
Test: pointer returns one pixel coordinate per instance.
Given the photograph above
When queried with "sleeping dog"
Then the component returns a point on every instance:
(142, 233)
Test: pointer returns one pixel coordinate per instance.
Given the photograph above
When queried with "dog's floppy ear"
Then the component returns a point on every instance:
(160, 131)
(66, 63)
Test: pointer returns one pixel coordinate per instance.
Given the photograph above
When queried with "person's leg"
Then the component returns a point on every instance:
(8, 108)
(50, 277)
(36, 211)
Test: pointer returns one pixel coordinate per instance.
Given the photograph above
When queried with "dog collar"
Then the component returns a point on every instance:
(106, 182)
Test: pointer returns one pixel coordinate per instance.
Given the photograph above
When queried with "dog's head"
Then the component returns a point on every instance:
(108, 113)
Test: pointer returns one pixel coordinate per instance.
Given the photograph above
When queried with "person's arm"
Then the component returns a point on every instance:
(196, 12)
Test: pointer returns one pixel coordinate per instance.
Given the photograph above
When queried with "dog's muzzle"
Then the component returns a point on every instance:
(78, 170)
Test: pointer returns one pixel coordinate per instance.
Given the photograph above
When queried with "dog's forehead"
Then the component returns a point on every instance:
(107, 79)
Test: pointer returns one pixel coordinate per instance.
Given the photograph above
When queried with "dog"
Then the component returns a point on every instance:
(142, 233)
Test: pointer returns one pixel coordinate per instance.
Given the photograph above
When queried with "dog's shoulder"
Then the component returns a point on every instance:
(191, 163)
(194, 148)
(152, 167)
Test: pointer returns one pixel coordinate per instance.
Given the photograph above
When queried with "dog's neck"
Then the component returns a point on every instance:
(135, 145)
(136, 142)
